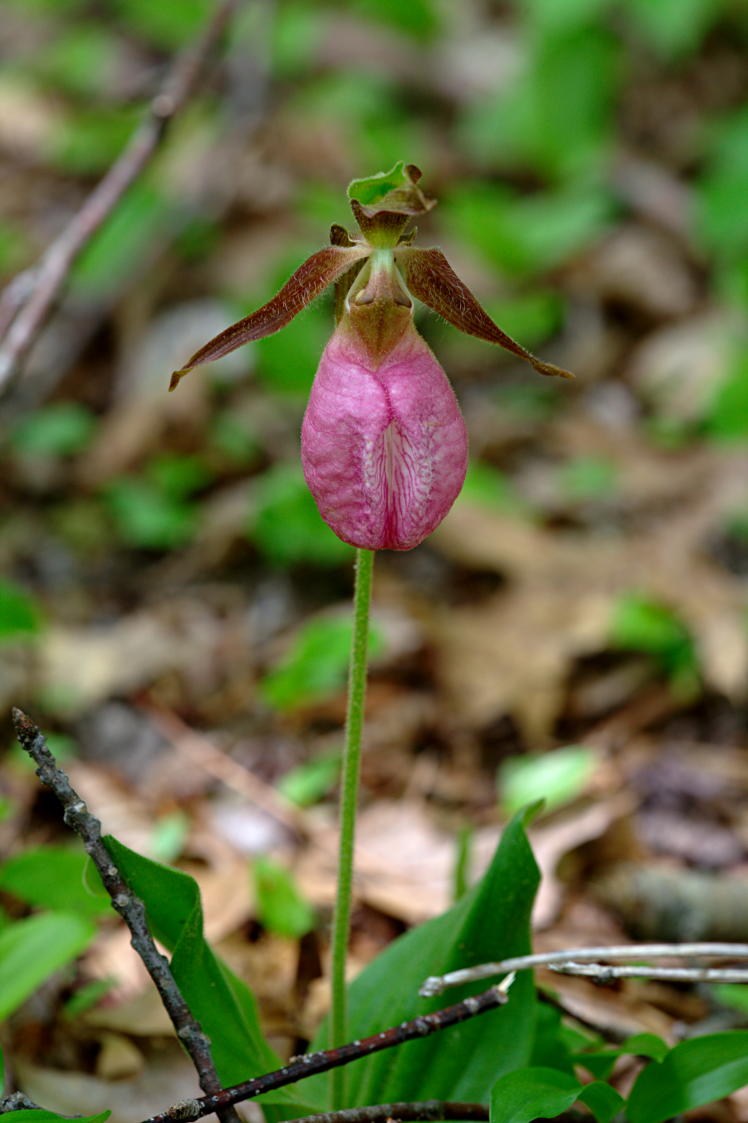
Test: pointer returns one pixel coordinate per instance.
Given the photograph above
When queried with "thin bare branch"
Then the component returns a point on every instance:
(559, 960)
(132, 910)
(26, 303)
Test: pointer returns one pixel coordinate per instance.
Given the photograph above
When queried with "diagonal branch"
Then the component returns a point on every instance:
(28, 300)
(425, 1111)
(130, 908)
(298, 1068)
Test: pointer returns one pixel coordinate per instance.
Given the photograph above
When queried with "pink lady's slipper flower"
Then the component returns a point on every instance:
(383, 443)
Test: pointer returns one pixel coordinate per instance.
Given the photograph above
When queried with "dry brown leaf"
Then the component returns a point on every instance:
(512, 652)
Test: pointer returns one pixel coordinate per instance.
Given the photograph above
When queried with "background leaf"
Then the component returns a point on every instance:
(56, 877)
(33, 949)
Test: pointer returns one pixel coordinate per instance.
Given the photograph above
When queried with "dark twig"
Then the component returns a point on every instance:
(406, 1112)
(17, 1101)
(132, 910)
(29, 298)
(312, 1063)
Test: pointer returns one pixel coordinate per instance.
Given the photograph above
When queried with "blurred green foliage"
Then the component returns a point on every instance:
(20, 617)
(642, 624)
(120, 247)
(281, 908)
(523, 235)
(317, 663)
(311, 781)
(556, 777)
(157, 510)
(728, 417)
(55, 877)
(589, 477)
(285, 525)
(165, 25)
(34, 948)
(59, 429)
(491, 488)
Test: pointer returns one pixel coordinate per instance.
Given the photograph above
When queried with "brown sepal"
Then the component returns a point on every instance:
(309, 280)
(433, 281)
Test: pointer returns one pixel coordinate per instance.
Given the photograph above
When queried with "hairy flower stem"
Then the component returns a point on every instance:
(348, 805)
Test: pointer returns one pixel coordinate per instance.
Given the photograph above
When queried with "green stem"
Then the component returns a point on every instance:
(348, 805)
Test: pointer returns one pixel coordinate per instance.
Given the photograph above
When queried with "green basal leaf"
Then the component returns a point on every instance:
(491, 921)
(602, 1100)
(531, 1093)
(223, 1005)
(550, 1050)
(33, 949)
(694, 1073)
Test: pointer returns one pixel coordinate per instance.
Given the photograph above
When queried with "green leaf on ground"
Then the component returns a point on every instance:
(311, 781)
(555, 777)
(59, 429)
(317, 663)
(286, 525)
(33, 949)
(280, 906)
(56, 877)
